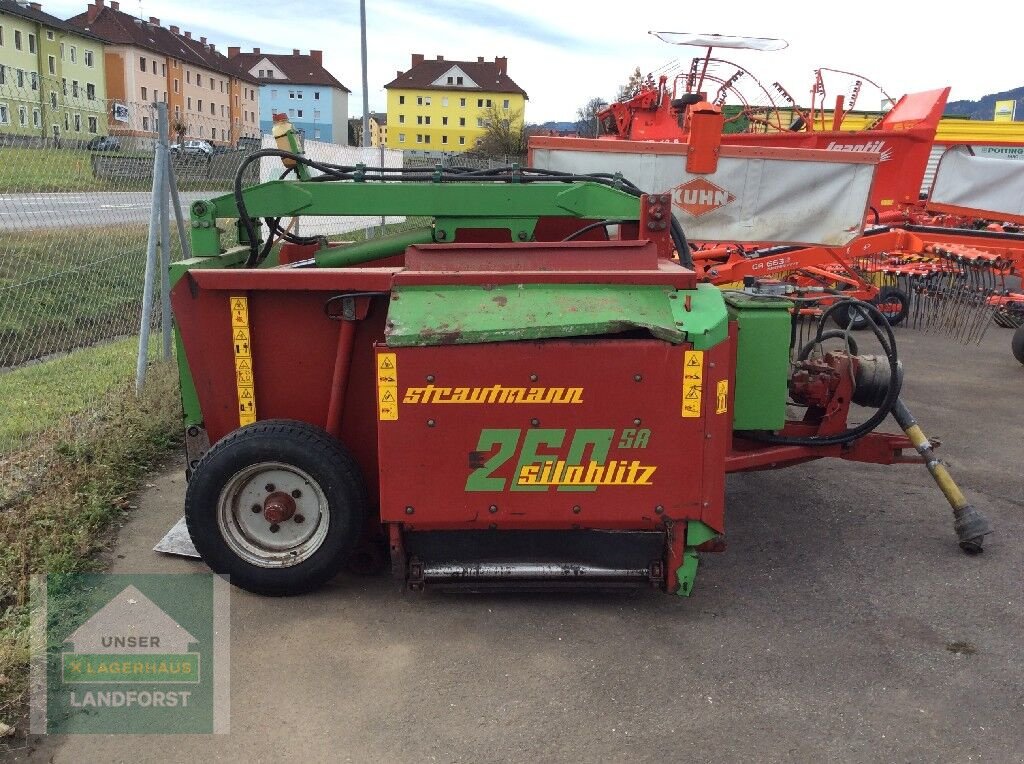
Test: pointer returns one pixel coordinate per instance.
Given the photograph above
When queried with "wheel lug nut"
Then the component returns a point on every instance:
(296, 493)
(275, 528)
(269, 487)
(257, 508)
(299, 518)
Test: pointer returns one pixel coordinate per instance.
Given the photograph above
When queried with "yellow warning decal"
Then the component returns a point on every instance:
(387, 387)
(722, 398)
(693, 382)
(241, 342)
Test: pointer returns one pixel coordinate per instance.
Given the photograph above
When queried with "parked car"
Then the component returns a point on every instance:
(104, 143)
(202, 148)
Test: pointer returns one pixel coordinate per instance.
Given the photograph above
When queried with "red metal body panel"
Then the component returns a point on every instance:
(445, 472)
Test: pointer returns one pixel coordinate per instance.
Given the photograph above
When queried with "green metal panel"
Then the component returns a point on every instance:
(706, 323)
(446, 315)
(762, 361)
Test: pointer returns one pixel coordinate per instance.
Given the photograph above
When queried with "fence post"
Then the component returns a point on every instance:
(172, 184)
(163, 151)
(150, 274)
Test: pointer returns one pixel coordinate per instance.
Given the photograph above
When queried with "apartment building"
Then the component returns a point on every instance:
(52, 82)
(206, 95)
(298, 85)
(440, 105)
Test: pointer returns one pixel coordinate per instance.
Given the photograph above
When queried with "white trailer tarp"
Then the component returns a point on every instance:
(979, 183)
(791, 196)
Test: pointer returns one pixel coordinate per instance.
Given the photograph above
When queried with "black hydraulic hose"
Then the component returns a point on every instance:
(590, 227)
(888, 342)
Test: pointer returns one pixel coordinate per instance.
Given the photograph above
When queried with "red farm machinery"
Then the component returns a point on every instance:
(532, 390)
(949, 262)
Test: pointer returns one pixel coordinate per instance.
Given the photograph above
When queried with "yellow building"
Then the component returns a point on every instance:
(440, 105)
(378, 129)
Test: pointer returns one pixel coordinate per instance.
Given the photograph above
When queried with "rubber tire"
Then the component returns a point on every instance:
(307, 447)
(1017, 344)
(842, 315)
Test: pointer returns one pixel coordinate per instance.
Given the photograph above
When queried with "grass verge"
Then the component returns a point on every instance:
(91, 469)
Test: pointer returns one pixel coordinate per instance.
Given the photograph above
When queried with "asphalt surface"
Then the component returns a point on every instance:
(70, 209)
(842, 624)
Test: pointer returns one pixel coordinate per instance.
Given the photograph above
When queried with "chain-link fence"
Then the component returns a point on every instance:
(76, 180)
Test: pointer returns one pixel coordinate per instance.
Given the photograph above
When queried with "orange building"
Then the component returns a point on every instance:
(207, 97)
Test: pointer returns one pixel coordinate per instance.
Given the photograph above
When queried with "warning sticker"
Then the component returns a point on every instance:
(387, 387)
(693, 382)
(241, 341)
(722, 397)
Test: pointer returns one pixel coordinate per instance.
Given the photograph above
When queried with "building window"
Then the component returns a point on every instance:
(163, 70)
(199, 104)
(32, 46)
(462, 121)
(444, 120)
(21, 78)
(199, 79)
(401, 99)
(451, 80)
(61, 49)
(188, 76)
(462, 140)
(78, 123)
(175, 86)
(3, 74)
(298, 94)
(444, 139)
(479, 122)
(51, 64)
(213, 108)
(64, 86)
(189, 100)
(458, 80)
(37, 121)
(419, 137)
(142, 62)
(49, 35)
(23, 116)
(213, 84)
(74, 54)
(426, 100)
(316, 114)
(419, 100)
(291, 112)
(291, 94)
(462, 102)
(426, 120)
(145, 95)
(223, 110)
(201, 126)
(263, 73)
(505, 104)
(88, 58)
(419, 119)
(426, 139)
(154, 66)
(316, 95)
(401, 136)
(5, 115)
(90, 91)
(444, 101)
(145, 123)
(34, 80)
(17, 39)
(74, 88)
(93, 125)
(53, 99)
(479, 103)
(300, 113)
(316, 135)
(401, 119)
(67, 122)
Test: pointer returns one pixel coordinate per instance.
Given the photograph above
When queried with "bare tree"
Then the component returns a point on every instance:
(586, 117)
(506, 133)
(633, 85)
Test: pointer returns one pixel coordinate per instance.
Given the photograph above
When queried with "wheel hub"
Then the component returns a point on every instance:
(278, 507)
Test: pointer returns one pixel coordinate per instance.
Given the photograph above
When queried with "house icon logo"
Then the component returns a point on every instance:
(130, 640)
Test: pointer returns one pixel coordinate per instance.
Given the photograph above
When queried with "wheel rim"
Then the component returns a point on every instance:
(273, 515)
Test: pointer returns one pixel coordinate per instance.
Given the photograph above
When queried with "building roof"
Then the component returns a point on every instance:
(116, 27)
(33, 12)
(379, 117)
(298, 69)
(489, 76)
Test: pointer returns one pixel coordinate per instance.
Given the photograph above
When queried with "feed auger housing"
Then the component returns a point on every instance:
(527, 392)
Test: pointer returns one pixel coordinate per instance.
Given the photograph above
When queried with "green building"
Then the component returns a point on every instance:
(52, 82)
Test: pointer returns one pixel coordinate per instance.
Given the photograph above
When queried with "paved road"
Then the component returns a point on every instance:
(822, 634)
(73, 209)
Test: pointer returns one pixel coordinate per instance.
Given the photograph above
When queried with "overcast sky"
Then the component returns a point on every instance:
(563, 52)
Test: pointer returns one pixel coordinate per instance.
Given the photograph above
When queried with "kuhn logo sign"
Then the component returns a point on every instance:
(699, 197)
(875, 147)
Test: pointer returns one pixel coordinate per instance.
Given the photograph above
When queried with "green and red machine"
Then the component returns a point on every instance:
(529, 391)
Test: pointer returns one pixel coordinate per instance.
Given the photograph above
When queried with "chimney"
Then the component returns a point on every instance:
(317, 56)
(154, 21)
(502, 64)
(479, 59)
(233, 50)
(213, 47)
(399, 73)
(295, 51)
(114, 5)
(256, 51)
(36, 6)
(92, 11)
(417, 59)
(440, 58)
(175, 30)
(188, 35)
(202, 40)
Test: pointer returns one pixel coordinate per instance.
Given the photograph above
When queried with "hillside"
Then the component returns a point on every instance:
(985, 106)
